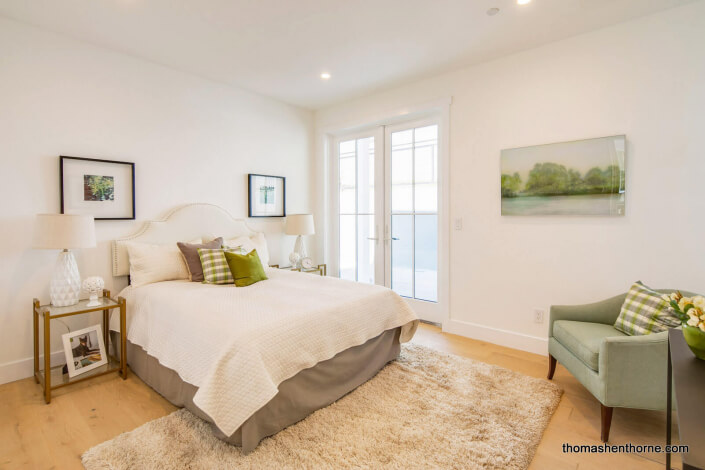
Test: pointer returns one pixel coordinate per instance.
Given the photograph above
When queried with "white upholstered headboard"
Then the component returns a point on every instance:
(184, 223)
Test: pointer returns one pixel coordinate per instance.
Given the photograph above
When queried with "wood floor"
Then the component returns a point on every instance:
(35, 435)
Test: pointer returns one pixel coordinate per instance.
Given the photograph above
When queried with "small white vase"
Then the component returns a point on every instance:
(94, 286)
(65, 285)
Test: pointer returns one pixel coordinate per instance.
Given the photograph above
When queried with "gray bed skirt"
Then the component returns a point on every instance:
(298, 397)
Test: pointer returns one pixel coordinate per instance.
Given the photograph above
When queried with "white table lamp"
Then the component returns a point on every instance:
(64, 232)
(299, 225)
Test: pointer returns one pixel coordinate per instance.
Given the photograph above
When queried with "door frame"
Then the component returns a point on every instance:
(328, 134)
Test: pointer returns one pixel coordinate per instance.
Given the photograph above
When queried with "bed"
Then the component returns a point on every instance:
(254, 360)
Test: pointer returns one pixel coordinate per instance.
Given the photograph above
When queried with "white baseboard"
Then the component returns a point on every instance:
(23, 368)
(510, 339)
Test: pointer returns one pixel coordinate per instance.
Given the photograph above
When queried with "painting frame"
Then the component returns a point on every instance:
(255, 207)
(71, 362)
(72, 185)
(583, 177)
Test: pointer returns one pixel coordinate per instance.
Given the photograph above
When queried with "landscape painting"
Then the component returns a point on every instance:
(584, 177)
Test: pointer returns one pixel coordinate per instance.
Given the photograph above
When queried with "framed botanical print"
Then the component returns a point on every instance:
(104, 189)
(266, 196)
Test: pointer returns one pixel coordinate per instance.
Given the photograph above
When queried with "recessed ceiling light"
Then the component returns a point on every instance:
(492, 11)
(325, 76)
(523, 2)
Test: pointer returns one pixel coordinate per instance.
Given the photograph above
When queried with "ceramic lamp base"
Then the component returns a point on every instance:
(300, 250)
(695, 338)
(65, 285)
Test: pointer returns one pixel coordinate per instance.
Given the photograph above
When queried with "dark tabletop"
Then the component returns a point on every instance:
(689, 395)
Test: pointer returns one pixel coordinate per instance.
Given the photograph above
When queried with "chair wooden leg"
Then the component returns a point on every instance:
(551, 366)
(606, 415)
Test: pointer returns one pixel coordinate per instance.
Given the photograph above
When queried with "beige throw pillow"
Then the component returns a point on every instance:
(155, 263)
(254, 242)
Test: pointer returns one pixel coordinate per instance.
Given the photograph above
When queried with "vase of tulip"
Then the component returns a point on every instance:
(691, 312)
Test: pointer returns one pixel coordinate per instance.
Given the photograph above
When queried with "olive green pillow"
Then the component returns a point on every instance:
(246, 269)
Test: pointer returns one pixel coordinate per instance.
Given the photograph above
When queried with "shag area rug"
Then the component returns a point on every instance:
(425, 410)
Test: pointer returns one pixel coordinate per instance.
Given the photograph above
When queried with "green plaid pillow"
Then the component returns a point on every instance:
(215, 266)
(644, 312)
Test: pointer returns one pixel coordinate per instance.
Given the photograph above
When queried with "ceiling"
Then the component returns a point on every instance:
(279, 48)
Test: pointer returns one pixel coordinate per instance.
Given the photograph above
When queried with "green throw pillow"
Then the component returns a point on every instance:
(246, 269)
(644, 312)
(215, 267)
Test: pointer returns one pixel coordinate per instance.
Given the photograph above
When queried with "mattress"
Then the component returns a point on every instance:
(236, 346)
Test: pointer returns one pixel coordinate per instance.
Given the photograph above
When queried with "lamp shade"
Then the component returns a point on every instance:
(299, 224)
(63, 231)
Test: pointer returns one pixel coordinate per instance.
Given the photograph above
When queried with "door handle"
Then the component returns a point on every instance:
(392, 238)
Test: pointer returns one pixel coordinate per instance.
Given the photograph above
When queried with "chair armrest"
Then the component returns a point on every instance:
(634, 370)
(605, 311)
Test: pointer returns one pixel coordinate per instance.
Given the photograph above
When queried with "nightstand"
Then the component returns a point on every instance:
(321, 269)
(56, 378)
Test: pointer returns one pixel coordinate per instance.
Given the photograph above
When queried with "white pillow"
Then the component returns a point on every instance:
(155, 263)
(255, 242)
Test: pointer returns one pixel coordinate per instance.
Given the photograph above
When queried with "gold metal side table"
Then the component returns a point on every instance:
(321, 269)
(55, 378)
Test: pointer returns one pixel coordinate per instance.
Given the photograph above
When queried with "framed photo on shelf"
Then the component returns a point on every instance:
(84, 350)
(266, 196)
(104, 189)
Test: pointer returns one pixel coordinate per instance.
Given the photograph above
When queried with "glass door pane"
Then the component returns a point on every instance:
(357, 227)
(414, 212)
(425, 257)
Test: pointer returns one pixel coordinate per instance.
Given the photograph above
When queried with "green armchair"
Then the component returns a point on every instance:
(619, 370)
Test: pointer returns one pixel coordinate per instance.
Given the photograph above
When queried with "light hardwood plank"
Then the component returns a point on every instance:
(38, 436)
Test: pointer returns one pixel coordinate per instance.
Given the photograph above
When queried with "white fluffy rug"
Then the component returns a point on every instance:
(426, 410)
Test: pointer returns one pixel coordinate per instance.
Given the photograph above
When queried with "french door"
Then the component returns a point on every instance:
(388, 211)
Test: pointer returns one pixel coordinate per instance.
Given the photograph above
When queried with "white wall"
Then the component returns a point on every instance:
(645, 79)
(192, 141)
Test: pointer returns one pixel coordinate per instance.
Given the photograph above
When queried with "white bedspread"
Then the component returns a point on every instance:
(237, 344)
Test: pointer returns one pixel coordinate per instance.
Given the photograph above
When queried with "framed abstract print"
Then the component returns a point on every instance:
(266, 196)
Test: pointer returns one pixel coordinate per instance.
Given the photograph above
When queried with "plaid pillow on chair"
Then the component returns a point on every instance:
(644, 312)
(215, 266)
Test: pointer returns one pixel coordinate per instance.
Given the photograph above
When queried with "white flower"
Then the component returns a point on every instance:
(692, 321)
(684, 301)
(666, 298)
(699, 301)
(702, 326)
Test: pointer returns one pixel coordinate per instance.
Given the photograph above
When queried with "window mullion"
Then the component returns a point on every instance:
(413, 211)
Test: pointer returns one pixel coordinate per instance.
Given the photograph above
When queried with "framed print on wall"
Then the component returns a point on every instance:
(104, 189)
(583, 177)
(266, 196)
